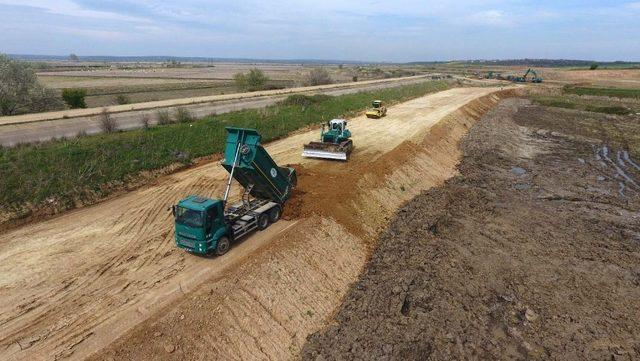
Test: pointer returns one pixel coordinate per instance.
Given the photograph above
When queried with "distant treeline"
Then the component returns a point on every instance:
(160, 59)
(535, 62)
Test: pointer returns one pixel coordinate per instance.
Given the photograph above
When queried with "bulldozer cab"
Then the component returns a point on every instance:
(377, 104)
(338, 125)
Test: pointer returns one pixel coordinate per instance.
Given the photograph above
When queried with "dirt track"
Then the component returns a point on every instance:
(73, 284)
(532, 252)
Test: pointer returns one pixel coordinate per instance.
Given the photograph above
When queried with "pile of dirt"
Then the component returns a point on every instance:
(530, 252)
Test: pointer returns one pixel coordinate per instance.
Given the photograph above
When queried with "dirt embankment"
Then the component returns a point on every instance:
(265, 308)
(533, 251)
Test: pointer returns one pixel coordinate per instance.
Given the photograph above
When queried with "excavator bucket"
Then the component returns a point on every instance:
(328, 150)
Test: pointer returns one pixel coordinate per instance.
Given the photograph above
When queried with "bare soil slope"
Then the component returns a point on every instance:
(74, 284)
(533, 251)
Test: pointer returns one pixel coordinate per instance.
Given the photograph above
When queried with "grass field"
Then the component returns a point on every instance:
(70, 170)
(590, 105)
(103, 91)
(607, 92)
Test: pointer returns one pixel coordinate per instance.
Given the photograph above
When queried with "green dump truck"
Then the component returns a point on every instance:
(205, 226)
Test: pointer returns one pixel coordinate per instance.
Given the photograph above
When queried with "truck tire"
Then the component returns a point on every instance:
(274, 214)
(223, 246)
(263, 221)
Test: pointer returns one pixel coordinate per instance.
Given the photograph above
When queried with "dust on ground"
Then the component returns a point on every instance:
(533, 251)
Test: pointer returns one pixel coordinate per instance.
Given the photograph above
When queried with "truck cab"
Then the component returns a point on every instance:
(200, 224)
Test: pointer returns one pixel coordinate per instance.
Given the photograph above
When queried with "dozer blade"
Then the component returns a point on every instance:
(327, 150)
(314, 153)
(374, 116)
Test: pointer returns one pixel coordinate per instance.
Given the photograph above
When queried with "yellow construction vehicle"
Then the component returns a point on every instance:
(378, 110)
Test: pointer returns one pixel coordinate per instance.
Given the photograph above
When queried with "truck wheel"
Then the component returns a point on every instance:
(223, 246)
(263, 221)
(274, 214)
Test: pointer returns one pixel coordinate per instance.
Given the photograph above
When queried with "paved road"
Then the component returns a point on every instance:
(28, 132)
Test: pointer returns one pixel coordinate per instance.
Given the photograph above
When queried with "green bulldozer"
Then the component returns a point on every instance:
(335, 142)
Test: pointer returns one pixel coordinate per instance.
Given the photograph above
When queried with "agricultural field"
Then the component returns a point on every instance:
(151, 82)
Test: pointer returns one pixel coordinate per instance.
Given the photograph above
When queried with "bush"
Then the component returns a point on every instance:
(594, 66)
(183, 115)
(253, 81)
(122, 99)
(319, 76)
(354, 78)
(144, 120)
(164, 117)
(74, 98)
(107, 124)
(20, 91)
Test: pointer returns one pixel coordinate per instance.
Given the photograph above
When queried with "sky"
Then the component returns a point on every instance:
(393, 31)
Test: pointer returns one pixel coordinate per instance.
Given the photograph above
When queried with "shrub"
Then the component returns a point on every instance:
(319, 76)
(183, 115)
(354, 78)
(74, 98)
(20, 91)
(164, 117)
(122, 99)
(252, 81)
(144, 120)
(594, 66)
(107, 123)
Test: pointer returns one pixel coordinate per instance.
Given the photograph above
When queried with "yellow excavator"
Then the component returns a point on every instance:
(377, 111)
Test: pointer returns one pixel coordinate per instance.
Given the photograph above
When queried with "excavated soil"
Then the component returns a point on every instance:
(531, 252)
(108, 281)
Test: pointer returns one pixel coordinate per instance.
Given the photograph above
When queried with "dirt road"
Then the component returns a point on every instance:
(532, 252)
(74, 284)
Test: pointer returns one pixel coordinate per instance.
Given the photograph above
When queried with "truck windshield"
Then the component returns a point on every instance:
(189, 217)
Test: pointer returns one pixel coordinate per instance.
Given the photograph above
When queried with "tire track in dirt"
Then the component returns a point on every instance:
(88, 276)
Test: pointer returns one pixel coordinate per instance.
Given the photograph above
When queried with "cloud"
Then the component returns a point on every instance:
(399, 30)
(489, 18)
(69, 8)
(634, 5)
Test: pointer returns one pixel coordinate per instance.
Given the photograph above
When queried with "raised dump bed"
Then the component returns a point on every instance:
(255, 170)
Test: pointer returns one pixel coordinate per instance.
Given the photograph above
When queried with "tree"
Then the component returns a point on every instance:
(319, 76)
(594, 66)
(74, 98)
(20, 91)
(254, 80)
(74, 57)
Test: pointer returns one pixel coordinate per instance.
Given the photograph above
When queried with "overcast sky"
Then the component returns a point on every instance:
(391, 30)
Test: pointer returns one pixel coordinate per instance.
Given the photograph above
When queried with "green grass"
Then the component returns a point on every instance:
(581, 104)
(607, 92)
(67, 170)
(555, 102)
